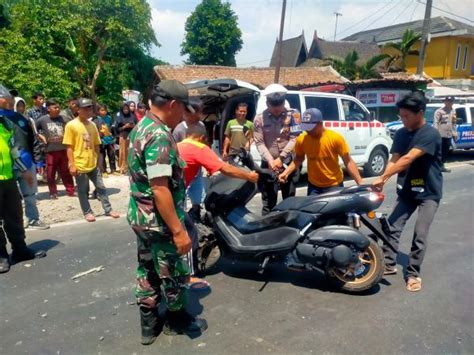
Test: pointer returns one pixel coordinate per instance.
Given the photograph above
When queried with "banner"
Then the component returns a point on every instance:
(380, 98)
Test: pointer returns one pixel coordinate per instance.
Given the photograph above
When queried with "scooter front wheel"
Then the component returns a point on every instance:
(208, 256)
(364, 275)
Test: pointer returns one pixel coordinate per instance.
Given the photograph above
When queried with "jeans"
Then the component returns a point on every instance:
(399, 217)
(57, 161)
(29, 195)
(196, 191)
(315, 190)
(82, 181)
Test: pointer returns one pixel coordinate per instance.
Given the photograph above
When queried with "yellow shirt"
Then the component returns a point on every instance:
(323, 157)
(84, 140)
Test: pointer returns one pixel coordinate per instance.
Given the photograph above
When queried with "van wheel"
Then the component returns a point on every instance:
(376, 164)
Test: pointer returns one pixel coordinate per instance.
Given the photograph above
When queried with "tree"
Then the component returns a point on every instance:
(349, 68)
(403, 49)
(85, 47)
(212, 35)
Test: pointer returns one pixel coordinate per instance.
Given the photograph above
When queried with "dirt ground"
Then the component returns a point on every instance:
(67, 208)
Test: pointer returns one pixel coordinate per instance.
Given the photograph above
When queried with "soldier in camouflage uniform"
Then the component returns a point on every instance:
(156, 215)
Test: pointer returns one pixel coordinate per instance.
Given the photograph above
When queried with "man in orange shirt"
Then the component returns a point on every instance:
(323, 148)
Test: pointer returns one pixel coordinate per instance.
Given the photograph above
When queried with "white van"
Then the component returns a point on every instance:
(368, 140)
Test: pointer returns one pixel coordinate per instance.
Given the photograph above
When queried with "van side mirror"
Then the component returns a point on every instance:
(370, 116)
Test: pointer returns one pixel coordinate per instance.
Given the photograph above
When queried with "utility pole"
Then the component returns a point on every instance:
(335, 28)
(280, 42)
(424, 37)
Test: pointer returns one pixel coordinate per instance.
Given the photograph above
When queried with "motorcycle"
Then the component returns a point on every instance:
(320, 232)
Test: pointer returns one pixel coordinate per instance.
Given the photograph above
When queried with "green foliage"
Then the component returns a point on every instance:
(82, 47)
(349, 68)
(212, 34)
(403, 49)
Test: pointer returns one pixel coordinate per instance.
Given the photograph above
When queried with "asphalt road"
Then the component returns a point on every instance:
(43, 311)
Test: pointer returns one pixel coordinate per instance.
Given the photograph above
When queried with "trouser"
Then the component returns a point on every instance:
(123, 153)
(82, 181)
(315, 190)
(269, 190)
(445, 145)
(57, 161)
(11, 216)
(399, 217)
(107, 151)
(196, 191)
(29, 195)
(161, 272)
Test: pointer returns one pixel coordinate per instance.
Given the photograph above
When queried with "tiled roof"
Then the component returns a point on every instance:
(340, 49)
(293, 52)
(292, 78)
(396, 77)
(439, 25)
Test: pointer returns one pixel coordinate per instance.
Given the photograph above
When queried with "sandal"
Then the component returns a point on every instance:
(195, 283)
(90, 217)
(390, 271)
(113, 214)
(414, 284)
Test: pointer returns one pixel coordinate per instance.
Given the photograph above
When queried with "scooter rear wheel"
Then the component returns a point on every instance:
(365, 275)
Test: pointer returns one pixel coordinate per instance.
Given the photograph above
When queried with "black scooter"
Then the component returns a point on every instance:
(314, 232)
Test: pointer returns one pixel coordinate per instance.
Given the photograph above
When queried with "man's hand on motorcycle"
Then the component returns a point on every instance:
(282, 178)
(182, 242)
(378, 183)
(253, 177)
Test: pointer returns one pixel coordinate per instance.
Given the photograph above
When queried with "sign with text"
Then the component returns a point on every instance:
(380, 98)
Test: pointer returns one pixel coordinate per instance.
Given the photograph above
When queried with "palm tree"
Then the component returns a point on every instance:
(349, 68)
(403, 49)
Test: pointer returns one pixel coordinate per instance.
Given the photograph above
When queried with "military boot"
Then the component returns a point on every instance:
(150, 322)
(23, 253)
(181, 322)
(4, 260)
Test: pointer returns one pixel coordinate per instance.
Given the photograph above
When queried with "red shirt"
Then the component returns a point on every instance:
(196, 155)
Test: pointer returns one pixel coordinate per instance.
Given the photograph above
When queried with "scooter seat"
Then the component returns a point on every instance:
(307, 204)
(276, 240)
(247, 222)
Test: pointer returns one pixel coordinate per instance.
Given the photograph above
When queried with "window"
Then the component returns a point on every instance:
(327, 106)
(461, 115)
(458, 54)
(294, 101)
(352, 111)
(464, 63)
(472, 115)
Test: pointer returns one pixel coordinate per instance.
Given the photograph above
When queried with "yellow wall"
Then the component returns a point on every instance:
(441, 56)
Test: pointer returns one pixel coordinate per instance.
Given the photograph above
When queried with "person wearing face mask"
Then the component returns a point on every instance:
(275, 142)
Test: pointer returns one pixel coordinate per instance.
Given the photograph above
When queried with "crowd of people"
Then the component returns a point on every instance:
(168, 152)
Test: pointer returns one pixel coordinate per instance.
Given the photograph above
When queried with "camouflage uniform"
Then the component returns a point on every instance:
(153, 153)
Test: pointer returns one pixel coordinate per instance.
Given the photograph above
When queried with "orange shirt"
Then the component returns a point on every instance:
(323, 155)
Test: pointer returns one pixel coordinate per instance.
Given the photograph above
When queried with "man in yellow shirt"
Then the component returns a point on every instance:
(83, 141)
(323, 148)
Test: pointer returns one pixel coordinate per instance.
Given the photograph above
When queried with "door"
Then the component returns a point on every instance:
(464, 127)
(355, 127)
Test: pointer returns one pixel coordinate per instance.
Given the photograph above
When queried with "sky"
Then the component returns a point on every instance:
(259, 21)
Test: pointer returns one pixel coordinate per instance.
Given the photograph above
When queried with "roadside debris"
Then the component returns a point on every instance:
(84, 273)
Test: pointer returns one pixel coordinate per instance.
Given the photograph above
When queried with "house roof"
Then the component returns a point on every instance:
(290, 51)
(398, 79)
(440, 26)
(291, 78)
(322, 49)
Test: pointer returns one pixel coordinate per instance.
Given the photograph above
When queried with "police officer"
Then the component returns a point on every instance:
(156, 215)
(276, 129)
(11, 212)
(445, 122)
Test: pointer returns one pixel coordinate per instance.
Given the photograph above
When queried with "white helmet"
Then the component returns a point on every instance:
(273, 89)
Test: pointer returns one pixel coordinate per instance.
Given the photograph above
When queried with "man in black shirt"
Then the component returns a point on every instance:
(416, 158)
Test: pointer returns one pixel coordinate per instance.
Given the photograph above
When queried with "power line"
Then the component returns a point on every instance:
(385, 13)
(365, 18)
(447, 12)
(257, 61)
(416, 6)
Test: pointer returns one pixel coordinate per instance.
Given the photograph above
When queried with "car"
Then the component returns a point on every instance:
(367, 138)
(465, 123)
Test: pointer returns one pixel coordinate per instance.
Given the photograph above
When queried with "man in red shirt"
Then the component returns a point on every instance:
(194, 151)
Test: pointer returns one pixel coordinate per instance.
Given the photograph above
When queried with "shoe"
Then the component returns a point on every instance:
(53, 196)
(113, 214)
(116, 173)
(105, 175)
(92, 196)
(26, 222)
(4, 260)
(181, 322)
(38, 224)
(195, 283)
(445, 170)
(413, 284)
(150, 324)
(27, 254)
(390, 270)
